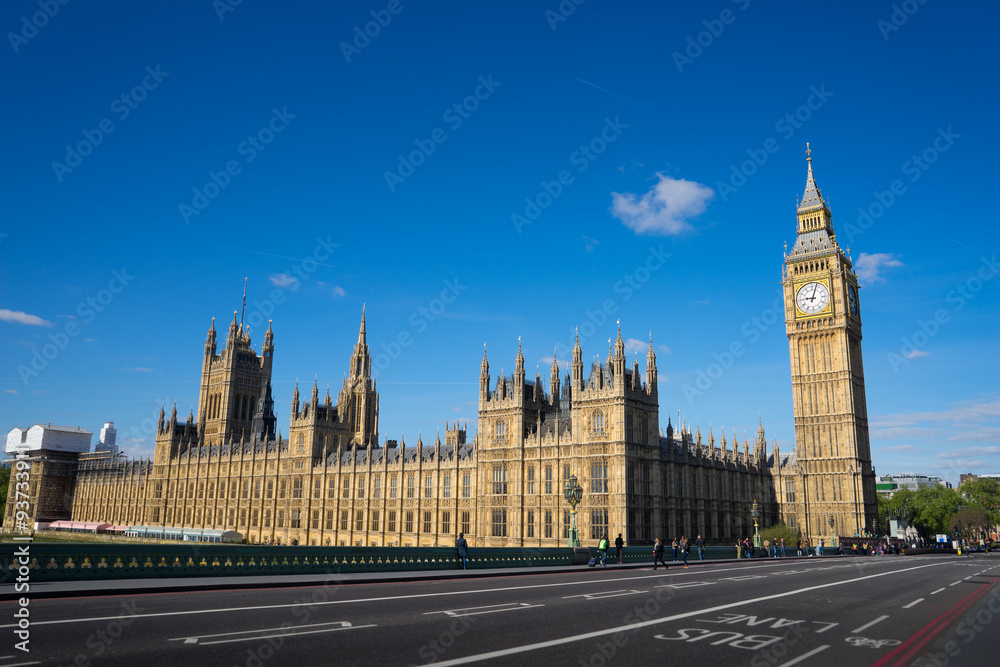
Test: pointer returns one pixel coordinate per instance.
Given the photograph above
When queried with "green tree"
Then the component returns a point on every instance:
(970, 522)
(984, 493)
(933, 506)
(779, 530)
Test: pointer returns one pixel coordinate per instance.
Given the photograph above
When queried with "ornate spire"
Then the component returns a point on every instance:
(362, 334)
(812, 198)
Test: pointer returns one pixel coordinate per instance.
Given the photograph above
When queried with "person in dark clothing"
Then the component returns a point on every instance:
(675, 545)
(463, 548)
(602, 548)
(700, 543)
(685, 549)
(619, 546)
(658, 554)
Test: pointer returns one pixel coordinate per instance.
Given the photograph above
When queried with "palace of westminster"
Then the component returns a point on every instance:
(330, 481)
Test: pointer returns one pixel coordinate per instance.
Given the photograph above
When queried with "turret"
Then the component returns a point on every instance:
(651, 368)
(159, 423)
(577, 364)
(554, 380)
(295, 400)
(484, 377)
(519, 370)
(210, 344)
(268, 349)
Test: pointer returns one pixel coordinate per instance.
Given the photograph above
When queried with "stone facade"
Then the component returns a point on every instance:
(830, 478)
(330, 482)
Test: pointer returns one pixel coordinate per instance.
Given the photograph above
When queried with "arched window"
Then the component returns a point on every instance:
(598, 420)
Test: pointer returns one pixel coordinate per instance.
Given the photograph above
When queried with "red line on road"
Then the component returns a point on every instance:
(931, 630)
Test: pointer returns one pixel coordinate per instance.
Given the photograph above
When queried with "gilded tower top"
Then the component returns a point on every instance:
(812, 198)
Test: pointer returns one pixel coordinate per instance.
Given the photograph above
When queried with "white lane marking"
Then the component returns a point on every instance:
(485, 609)
(22, 664)
(194, 639)
(954, 584)
(868, 625)
(287, 631)
(606, 594)
(937, 591)
(378, 599)
(914, 603)
(666, 619)
(802, 657)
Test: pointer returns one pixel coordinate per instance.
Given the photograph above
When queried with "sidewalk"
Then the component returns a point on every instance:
(92, 587)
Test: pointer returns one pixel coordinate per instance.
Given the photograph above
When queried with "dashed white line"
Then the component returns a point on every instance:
(868, 625)
(937, 591)
(955, 584)
(914, 603)
(802, 657)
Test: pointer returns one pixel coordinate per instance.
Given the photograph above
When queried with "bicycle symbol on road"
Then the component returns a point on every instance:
(865, 642)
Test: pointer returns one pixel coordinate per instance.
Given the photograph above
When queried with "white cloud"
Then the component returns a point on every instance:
(665, 208)
(869, 266)
(11, 391)
(664, 349)
(970, 451)
(913, 354)
(634, 345)
(335, 291)
(898, 448)
(139, 369)
(23, 318)
(284, 281)
(590, 244)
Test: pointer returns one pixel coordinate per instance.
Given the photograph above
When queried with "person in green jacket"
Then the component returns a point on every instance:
(602, 546)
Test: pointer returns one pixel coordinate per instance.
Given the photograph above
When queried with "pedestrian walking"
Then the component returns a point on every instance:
(658, 554)
(700, 543)
(739, 550)
(463, 548)
(602, 547)
(619, 546)
(783, 555)
(674, 545)
(685, 549)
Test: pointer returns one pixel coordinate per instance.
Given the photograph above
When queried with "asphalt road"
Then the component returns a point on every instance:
(920, 610)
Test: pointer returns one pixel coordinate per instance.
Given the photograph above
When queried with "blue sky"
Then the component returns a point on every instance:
(476, 172)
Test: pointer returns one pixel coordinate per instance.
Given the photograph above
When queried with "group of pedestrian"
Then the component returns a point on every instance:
(602, 547)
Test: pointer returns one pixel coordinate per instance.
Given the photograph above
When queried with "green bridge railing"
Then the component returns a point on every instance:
(79, 561)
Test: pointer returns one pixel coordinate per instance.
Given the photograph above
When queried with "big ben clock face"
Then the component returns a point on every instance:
(812, 298)
(852, 301)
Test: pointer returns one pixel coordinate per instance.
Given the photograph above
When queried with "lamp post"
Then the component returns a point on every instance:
(755, 514)
(832, 536)
(573, 493)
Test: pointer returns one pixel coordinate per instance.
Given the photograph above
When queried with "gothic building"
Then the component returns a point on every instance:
(828, 487)
(331, 482)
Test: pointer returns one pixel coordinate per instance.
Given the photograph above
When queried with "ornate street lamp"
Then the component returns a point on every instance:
(755, 514)
(833, 537)
(573, 493)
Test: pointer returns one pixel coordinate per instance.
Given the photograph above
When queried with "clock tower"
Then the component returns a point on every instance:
(832, 477)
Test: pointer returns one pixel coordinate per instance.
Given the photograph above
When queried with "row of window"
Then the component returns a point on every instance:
(598, 478)
(244, 491)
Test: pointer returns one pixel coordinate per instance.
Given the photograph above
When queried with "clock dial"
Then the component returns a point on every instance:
(812, 298)
(852, 300)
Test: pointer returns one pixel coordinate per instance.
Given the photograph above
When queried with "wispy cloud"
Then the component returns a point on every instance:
(898, 449)
(963, 422)
(20, 317)
(336, 291)
(970, 451)
(590, 244)
(11, 391)
(139, 369)
(913, 354)
(664, 349)
(870, 266)
(665, 209)
(284, 281)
